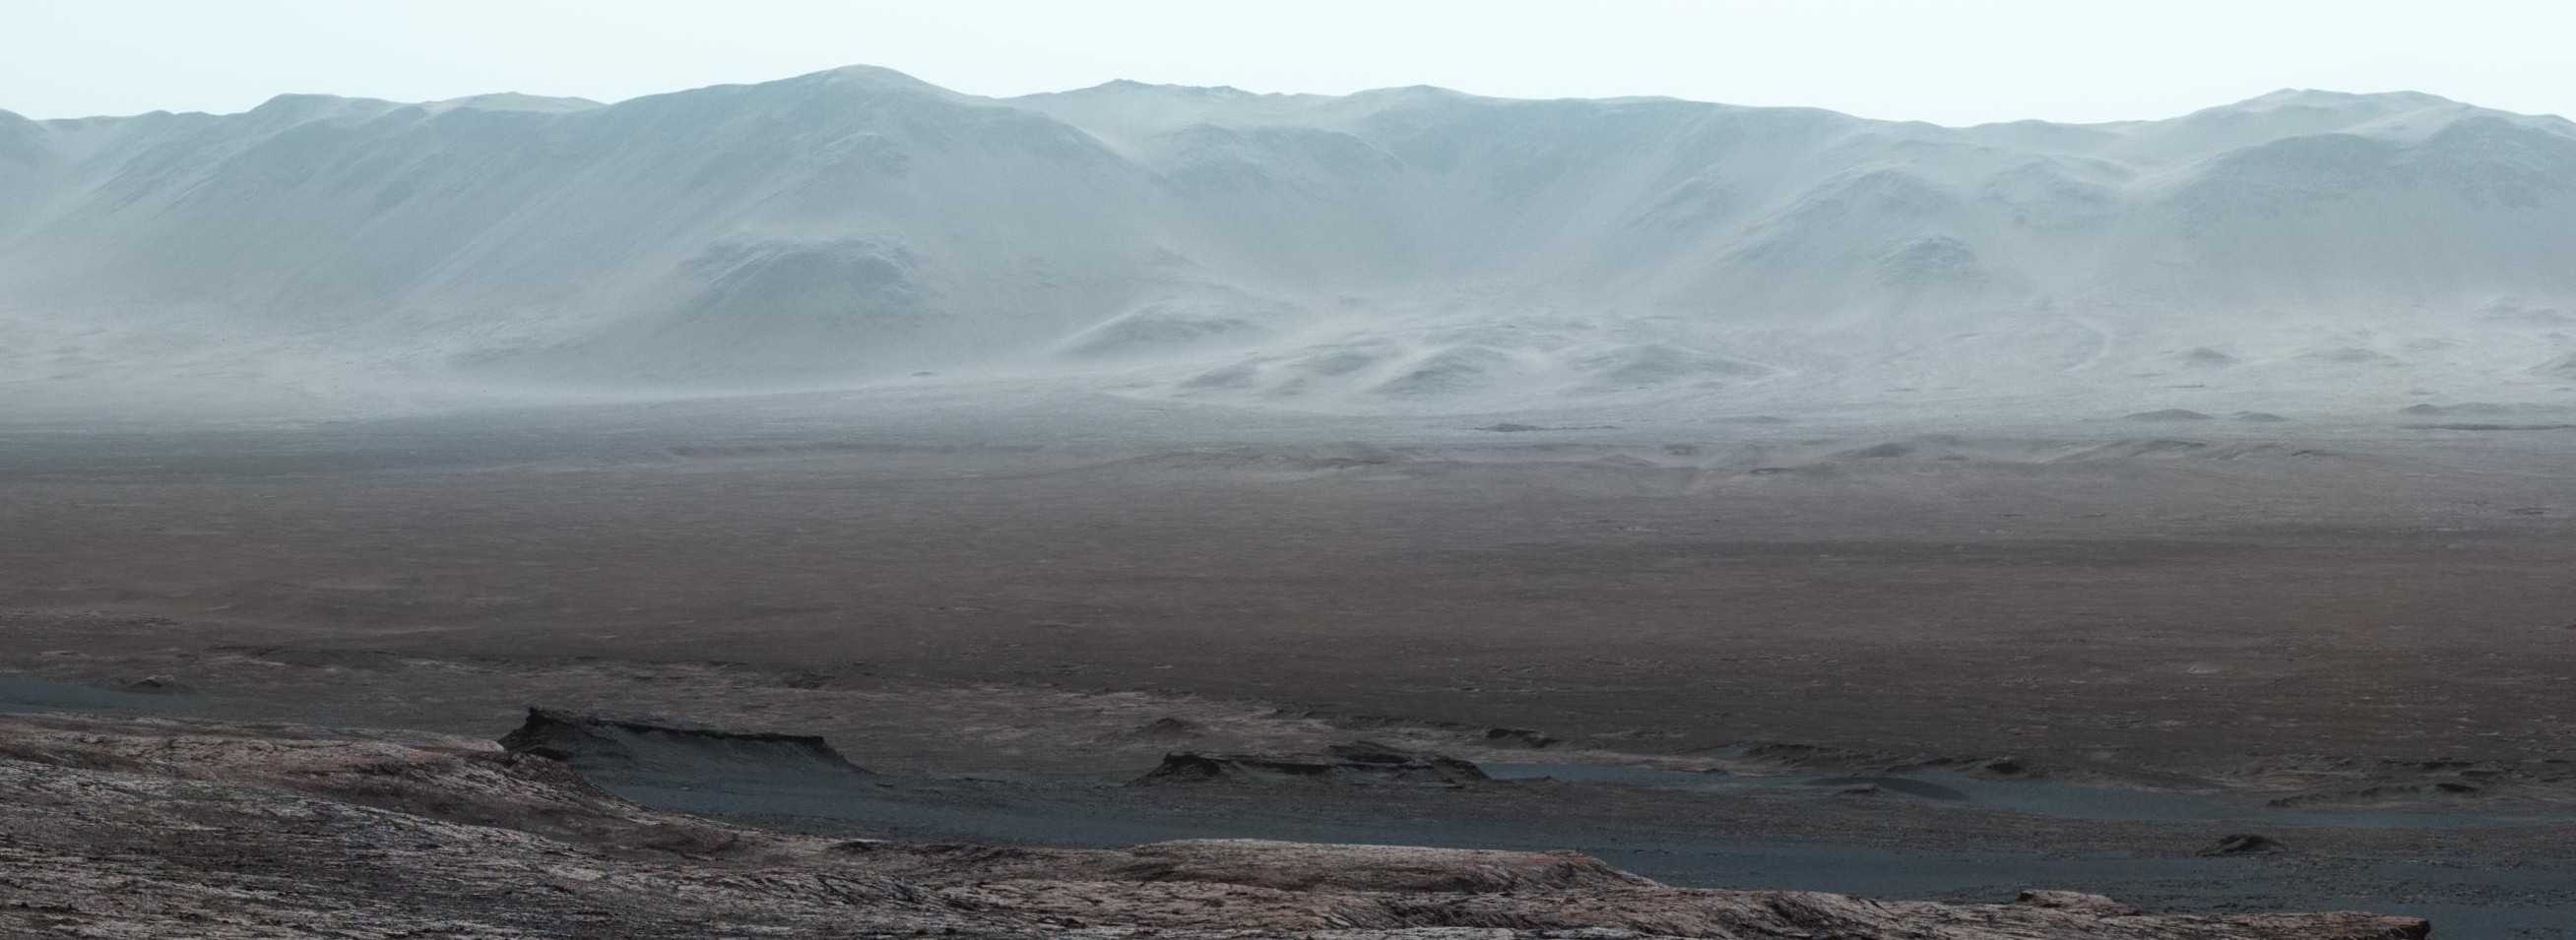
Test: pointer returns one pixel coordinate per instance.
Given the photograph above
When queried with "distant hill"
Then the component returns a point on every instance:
(1400, 249)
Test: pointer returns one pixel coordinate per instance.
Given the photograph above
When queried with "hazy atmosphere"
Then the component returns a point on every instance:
(1952, 63)
(1974, 471)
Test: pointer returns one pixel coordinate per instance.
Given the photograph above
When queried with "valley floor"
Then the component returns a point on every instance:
(1940, 662)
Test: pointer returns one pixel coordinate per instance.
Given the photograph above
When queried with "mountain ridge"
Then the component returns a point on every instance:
(894, 76)
(1407, 249)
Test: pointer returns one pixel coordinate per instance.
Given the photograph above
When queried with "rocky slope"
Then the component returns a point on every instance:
(148, 828)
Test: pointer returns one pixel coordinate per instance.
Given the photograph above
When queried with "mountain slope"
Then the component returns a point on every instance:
(1398, 249)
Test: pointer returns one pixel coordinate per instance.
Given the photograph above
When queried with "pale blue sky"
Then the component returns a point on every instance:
(1955, 62)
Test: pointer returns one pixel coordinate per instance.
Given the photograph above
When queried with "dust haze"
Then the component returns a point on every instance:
(914, 511)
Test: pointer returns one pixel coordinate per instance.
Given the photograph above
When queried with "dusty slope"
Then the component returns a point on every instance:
(140, 829)
(1403, 249)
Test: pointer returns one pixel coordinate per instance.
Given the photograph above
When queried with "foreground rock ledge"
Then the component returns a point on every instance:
(154, 829)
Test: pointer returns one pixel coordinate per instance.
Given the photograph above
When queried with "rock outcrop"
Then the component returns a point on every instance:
(627, 750)
(2244, 843)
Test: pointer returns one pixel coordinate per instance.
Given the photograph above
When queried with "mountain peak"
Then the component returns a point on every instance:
(313, 107)
(2326, 98)
(867, 76)
(514, 101)
(1129, 84)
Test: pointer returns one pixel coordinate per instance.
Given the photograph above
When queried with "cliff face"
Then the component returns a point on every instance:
(144, 828)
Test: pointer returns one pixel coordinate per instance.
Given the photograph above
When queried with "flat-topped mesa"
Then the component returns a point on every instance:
(616, 746)
(1359, 763)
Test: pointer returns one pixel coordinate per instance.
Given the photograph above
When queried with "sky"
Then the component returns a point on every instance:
(1945, 61)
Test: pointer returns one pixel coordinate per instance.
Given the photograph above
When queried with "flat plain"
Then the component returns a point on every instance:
(2095, 649)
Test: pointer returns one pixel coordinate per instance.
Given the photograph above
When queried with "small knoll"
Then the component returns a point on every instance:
(1515, 427)
(1360, 763)
(1887, 451)
(2259, 417)
(2077, 901)
(2429, 782)
(2488, 426)
(1170, 727)
(158, 685)
(1874, 784)
(1451, 371)
(1170, 327)
(2203, 357)
(2350, 356)
(2000, 768)
(1485, 735)
(1656, 364)
(2136, 449)
(1299, 866)
(2244, 843)
(1167, 728)
(2168, 414)
(2463, 408)
(1518, 737)
(1810, 756)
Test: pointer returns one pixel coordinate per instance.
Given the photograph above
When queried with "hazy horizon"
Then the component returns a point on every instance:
(539, 93)
(1948, 64)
